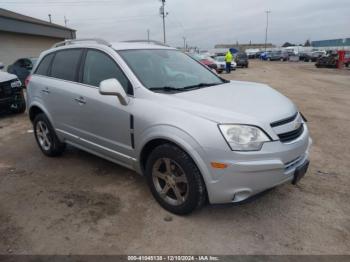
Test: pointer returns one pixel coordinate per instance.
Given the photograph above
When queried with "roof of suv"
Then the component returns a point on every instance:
(130, 45)
(116, 45)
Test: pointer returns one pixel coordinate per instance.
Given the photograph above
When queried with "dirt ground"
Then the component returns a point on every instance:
(81, 204)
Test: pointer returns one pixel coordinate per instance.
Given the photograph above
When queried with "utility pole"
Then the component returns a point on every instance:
(184, 38)
(65, 21)
(163, 14)
(148, 32)
(267, 26)
(50, 18)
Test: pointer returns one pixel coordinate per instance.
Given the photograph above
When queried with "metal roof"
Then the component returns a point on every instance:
(331, 43)
(18, 23)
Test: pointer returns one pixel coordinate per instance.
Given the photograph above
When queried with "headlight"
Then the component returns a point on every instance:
(243, 137)
(16, 83)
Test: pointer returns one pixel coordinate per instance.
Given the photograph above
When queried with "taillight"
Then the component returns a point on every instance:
(26, 82)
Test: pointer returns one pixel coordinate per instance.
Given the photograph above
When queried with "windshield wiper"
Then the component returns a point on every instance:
(166, 89)
(201, 85)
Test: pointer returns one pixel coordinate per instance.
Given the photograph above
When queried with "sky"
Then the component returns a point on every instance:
(203, 23)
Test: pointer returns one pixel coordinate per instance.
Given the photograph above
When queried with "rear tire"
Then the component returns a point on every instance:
(174, 180)
(46, 137)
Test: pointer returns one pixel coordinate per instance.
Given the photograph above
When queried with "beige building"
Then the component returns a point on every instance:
(23, 36)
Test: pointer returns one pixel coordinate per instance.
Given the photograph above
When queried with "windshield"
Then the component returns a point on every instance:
(169, 70)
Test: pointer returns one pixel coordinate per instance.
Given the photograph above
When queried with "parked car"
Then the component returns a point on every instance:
(265, 55)
(313, 56)
(303, 56)
(277, 56)
(241, 60)
(153, 109)
(221, 64)
(204, 60)
(330, 60)
(21, 68)
(11, 93)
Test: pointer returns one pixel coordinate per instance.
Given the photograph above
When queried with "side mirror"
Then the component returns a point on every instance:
(1, 66)
(112, 87)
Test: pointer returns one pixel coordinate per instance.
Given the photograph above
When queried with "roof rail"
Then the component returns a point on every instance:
(73, 41)
(154, 42)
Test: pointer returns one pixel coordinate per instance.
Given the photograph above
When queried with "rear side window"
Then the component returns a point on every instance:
(99, 66)
(65, 64)
(43, 68)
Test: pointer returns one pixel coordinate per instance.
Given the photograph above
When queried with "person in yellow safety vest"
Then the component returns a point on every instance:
(228, 60)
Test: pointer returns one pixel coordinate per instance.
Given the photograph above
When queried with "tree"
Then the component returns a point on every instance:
(287, 44)
(307, 43)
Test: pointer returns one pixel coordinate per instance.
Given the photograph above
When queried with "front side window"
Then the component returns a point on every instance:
(44, 65)
(168, 69)
(99, 66)
(65, 64)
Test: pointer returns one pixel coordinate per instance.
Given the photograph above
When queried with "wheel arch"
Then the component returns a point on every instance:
(168, 134)
(36, 109)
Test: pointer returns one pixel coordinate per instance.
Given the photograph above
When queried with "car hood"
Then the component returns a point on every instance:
(236, 102)
(4, 77)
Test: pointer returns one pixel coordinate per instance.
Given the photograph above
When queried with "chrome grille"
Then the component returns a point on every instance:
(290, 136)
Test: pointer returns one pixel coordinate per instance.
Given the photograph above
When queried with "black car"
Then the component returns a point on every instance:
(21, 68)
(330, 60)
(11, 93)
(241, 60)
(312, 57)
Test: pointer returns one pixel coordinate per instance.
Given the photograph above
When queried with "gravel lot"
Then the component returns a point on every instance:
(81, 204)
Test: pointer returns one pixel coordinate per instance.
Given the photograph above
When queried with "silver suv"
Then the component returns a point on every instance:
(154, 109)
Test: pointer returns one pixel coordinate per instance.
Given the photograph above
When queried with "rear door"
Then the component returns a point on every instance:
(63, 88)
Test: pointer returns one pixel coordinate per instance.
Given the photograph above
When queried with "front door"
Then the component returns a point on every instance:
(104, 123)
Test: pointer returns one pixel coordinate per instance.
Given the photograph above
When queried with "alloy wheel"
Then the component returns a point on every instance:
(43, 135)
(170, 181)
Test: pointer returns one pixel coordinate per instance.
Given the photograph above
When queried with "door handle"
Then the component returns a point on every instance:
(80, 100)
(46, 90)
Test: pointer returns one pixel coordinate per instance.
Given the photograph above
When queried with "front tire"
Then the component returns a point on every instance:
(174, 180)
(46, 137)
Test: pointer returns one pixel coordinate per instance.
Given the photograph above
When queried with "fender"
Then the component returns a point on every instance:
(48, 115)
(179, 137)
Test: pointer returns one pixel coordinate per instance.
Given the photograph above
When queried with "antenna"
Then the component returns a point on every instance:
(65, 21)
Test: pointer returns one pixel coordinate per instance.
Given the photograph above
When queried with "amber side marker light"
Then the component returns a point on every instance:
(218, 165)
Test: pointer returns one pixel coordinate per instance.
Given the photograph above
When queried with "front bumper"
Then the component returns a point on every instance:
(16, 98)
(253, 172)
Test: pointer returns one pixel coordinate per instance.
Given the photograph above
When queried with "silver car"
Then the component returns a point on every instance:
(155, 110)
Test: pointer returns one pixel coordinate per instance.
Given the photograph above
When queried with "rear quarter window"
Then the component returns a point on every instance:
(43, 68)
